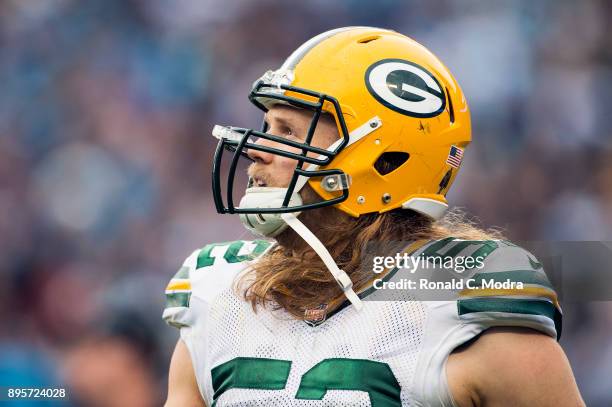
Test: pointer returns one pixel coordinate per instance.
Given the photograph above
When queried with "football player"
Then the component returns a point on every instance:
(364, 132)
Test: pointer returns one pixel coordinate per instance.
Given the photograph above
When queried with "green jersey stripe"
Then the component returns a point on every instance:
(512, 306)
(518, 306)
(177, 299)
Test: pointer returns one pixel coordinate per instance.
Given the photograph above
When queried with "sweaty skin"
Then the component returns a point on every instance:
(502, 367)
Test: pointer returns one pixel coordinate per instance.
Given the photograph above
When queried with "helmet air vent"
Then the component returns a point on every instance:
(390, 161)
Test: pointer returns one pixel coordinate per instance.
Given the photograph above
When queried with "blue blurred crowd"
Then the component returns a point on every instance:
(106, 109)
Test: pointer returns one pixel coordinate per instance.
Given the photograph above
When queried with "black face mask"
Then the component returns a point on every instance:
(239, 140)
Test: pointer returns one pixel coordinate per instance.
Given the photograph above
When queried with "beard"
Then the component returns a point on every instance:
(259, 176)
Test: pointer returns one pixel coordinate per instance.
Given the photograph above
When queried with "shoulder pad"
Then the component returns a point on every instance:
(511, 289)
(205, 273)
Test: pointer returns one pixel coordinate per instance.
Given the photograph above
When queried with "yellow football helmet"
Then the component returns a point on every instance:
(402, 118)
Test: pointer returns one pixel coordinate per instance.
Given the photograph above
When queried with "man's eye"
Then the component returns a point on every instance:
(287, 132)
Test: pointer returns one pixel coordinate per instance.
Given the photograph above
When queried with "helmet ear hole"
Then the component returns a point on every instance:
(390, 161)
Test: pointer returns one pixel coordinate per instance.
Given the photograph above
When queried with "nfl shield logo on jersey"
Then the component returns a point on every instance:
(315, 316)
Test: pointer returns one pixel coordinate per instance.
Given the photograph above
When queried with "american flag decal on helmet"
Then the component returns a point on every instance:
(454, 157)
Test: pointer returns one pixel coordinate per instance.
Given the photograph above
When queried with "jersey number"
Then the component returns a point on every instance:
(205, 258)
(375, 378)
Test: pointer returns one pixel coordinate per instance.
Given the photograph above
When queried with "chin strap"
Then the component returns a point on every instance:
(343, 280)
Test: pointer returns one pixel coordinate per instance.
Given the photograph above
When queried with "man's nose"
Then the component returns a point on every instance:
(258, 156)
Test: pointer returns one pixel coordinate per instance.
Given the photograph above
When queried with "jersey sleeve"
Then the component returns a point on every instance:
(511, 289)
(185, 311)
(197, 290)
(204, 274)
(177, 311)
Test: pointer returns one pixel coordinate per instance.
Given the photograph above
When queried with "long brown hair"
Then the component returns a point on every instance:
(291, 275)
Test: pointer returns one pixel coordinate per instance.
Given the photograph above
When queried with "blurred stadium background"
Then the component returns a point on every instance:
(106, 108)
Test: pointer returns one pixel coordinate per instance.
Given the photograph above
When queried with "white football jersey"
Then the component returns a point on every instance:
(391, 353)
